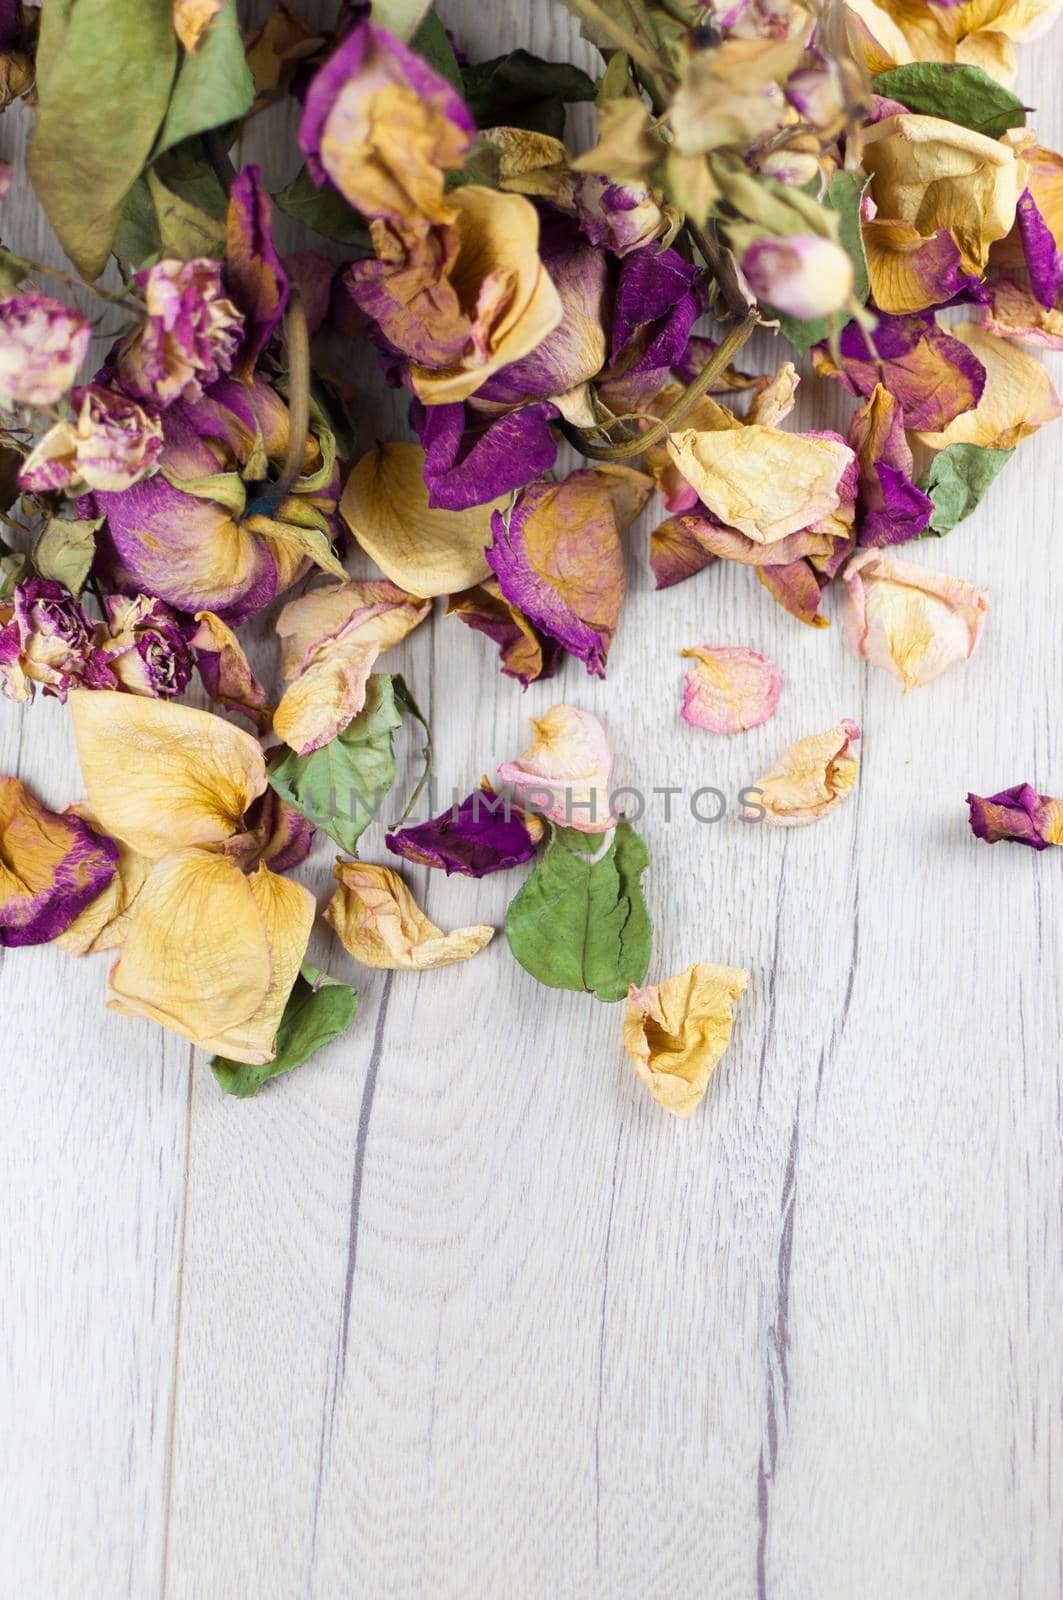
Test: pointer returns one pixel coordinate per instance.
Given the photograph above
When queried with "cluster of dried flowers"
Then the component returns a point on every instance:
(838, 176)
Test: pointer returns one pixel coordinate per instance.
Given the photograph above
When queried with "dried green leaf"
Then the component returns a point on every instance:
(581, 922)
(341, 786)
(521, 90)
(186, 230)
(957, 93)
(319, 1009)
(214, 85)
(65, 550)
(432, 45)
(104, 73)
(325, 210)
(956, 480)
(400, 17)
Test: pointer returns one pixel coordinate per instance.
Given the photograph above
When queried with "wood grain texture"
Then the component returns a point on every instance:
(456, 1311)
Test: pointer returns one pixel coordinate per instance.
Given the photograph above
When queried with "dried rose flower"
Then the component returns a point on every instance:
(42, 345)
(45, 639)
(191, 335)
(142, 648)
(112, 444)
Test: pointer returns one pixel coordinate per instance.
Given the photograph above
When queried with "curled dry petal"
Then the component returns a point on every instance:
(374, 611)
(762, 481)
(933, 174)
(104, 922)
(811, 778)
(558, 556)
(325, 696)
(226, 671)
(933, 375)
(892, 509)
(1019, 815)
(212, 954)
(912, 622)
(52, 866)
(676, 1031)
(385, 129)
(483, 833)
(422, 550)
(527, 655)
(1018, 397)
(380, 924)
(564, 773)
(729, 689)
(1014, 313)
(161, 776)
(191, 18)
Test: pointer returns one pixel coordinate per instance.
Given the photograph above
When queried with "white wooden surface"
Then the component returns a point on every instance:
(456, 1311)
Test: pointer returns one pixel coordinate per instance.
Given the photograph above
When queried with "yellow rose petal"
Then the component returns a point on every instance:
(160, 776)
(1018, 397)
(424, 551)
(380, 923)
(675, 1032)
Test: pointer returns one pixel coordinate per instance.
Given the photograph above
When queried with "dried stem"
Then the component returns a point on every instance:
(720, 360)
(297, 336)
(622, 37)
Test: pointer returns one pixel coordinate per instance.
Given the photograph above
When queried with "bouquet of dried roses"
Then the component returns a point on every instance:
(839, 176)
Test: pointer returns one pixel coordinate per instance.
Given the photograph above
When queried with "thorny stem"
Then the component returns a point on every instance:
(720, 360)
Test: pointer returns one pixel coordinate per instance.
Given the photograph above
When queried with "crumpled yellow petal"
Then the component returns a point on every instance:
(762, 481)
(424, 551)
(934, 174)
(324, 697)
(811, 777)
(161, 776)
(380, 923)
(564, 773)
(372, 612)
(104, 922)
(775, 398)
(676, 1031)
(498, 260)
(1018, 397)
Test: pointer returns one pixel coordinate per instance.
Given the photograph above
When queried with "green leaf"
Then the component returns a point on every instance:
(319, 1009)
(432, 45)
(325, 210)
(340, 787)
(581, 923)
(214, 85)
(400, 17)
(520, 90)
(104, 73)
(966, 95)
(138, 241)
(187, 226)
(12, 571)
(408, 704)
(844, 195)
(956, 480)
(65, 550)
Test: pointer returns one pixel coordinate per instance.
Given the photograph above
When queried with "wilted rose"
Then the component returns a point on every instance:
(45, 639)
(142, 648)
(42, 344)
(190, 337)
(111, 445)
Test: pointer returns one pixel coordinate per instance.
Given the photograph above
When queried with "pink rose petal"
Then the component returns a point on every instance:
(729, 689)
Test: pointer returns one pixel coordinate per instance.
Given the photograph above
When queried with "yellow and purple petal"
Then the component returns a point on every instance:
(1019, 815)
(52, 867)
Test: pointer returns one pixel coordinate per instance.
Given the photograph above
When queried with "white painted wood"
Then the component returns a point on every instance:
(457, 1311)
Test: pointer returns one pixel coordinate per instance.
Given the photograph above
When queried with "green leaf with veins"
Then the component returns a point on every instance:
(580, 922)
(956, 480)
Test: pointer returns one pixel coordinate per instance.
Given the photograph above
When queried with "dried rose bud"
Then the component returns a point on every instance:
(45, 638)
(114, 443)
(803, 275)
(42, 344)
(191, 335)
(141, 648)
